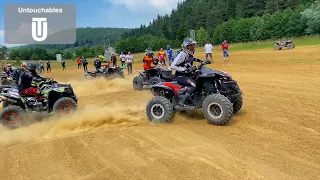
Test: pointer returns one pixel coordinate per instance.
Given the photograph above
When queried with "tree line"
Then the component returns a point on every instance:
(234, 20)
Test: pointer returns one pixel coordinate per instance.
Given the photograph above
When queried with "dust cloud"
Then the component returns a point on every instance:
(86, 118)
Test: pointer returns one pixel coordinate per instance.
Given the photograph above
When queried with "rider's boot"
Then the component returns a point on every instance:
(183, 99)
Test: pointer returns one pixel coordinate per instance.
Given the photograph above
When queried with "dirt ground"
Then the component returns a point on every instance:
(276, 135)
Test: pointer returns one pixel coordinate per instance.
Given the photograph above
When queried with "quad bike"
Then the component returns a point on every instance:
(57, 98)
(152, 76)
(289, 44)
(217, 94)
(108, 73)
(6, 79)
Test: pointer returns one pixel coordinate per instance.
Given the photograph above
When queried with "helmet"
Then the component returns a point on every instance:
(31, 66)
(24, 65)
(186, 43)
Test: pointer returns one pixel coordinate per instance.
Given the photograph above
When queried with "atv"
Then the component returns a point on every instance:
(6, 79)
(57, 98)
(288, 44)
(152, 76)
(108, 73)
(217, 94)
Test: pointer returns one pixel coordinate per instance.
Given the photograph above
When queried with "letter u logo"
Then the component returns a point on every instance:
(39, 29)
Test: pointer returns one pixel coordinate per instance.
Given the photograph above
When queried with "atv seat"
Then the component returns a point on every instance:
(175, 83)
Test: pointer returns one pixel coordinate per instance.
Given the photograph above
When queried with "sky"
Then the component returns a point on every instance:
(103, 13)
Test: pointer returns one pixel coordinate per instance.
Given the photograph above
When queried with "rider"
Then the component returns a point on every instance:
(25, 81)
(183, 65)
(17, 72)
(148, 60)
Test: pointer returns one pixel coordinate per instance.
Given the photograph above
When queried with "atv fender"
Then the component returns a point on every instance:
(169, 92)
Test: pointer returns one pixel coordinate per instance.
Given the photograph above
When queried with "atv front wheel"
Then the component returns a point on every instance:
(5, 82)
(64, 105)
(217, 109)
(277, 47)
(290, 46)
(154, 81)
(159, 109)
(138, 83)
(237, 105)
(12, 117)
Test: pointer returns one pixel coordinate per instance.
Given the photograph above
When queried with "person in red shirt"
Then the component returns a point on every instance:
(162, 56)
(225, 47)
(147, 61)
(79, 63)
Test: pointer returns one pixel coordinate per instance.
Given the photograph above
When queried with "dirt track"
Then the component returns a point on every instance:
(275, 136)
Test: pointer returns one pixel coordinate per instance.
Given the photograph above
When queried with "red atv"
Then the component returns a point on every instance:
(217, 94)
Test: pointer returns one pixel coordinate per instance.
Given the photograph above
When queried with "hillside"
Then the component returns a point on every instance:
(234, 20)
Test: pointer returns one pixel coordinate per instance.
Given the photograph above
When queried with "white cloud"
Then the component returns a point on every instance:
(147, 6)
(3, 43)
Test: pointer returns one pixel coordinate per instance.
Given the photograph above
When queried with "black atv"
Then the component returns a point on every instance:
(288, 44)
(6, 79)
(108, 73)
(152, 76)
(217, 94)
(57, 98)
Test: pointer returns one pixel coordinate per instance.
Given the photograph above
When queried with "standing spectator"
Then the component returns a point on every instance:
(79, 63)
(97, 63)
(85, 64)
(130, 61)
(162, 56)
(114, 60)
(169, 52)
(122, 59)
(63, 64)
(225, 47)
(40, 66)
(208, 48)
(48, 66)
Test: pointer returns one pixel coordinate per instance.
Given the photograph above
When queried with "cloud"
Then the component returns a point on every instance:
(132, 13)
(3, 43)
(147, 6)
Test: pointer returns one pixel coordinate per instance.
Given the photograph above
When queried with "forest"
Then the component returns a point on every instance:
(214, 20)
(234, 20)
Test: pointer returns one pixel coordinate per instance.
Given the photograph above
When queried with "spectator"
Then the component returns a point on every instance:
(84, 63)
(169, 52)
(225, 47)
(208, 48)
(130, 61)
(123, 59)
(40, 66)
(63, 64)
(48, 66)
(114, 60)
(162, 56)
(79, 63)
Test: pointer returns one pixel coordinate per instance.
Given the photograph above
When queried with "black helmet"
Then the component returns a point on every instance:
(31, 66)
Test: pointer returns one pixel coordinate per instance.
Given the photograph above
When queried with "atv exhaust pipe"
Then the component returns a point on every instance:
(2, 98)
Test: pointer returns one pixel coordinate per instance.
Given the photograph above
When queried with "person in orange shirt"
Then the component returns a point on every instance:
(147, 61)
(79, 63)
(162, 56)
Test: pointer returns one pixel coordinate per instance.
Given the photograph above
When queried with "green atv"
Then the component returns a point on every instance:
(57, 98)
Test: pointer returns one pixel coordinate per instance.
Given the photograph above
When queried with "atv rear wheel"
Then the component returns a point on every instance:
(159, 109)
(138, 83)
(217, 109)
(64, 105)
(154, 81)
(237, 105)
(12, 117)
